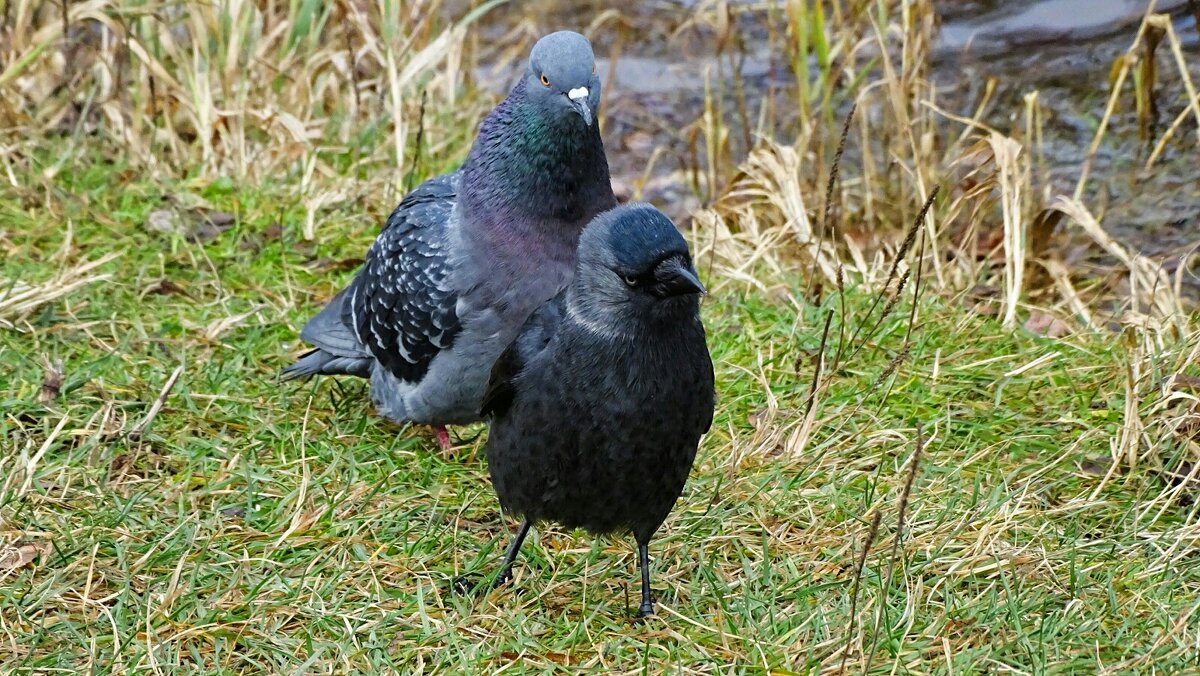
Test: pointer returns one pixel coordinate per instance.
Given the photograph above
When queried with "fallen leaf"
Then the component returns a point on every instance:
(1095, 466)
(1046, 325)
(52, 381)
(22, 553)
(1189, 428)
(221, 219)
(165, 287)
(207, 226)
(1186, 476)
(758, 419)
(983, 300)
(304, 247)
(557, 657)
(1187, 382)
(1041, 232)
(118, 465)
(256, 241)
(195, 224)
(233, 512)
(165, 221)
(986, 242)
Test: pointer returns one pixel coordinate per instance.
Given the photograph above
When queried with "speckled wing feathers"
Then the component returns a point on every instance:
(401, 305)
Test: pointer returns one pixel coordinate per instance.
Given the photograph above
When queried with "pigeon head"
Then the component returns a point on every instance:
(562, 76)
(537, 172)
(633, 259)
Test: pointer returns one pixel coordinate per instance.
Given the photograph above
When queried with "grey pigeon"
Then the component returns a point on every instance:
(467, 256)
(598, 405)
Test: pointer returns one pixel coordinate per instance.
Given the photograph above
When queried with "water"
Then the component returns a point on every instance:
(997, 28)
(1064, 49)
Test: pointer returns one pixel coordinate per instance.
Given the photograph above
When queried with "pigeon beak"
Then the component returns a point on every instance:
(674, 277)
(579, 101)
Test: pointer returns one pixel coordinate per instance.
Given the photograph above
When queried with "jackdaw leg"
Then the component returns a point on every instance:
(470, 583)
(647, 607)
(511, 555)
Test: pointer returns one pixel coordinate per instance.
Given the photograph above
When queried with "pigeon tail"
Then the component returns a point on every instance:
(338, 352)
(318, 362)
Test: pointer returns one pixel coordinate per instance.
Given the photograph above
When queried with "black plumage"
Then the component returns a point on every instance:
(598, 405)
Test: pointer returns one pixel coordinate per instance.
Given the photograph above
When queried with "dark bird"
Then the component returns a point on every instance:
(466, 257)
(599, 404)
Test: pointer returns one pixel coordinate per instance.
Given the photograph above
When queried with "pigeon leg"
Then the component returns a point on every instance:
(511, 555)
(443, 436)
(647, 607)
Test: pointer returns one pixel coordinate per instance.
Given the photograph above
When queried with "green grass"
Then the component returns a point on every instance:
(260, 526)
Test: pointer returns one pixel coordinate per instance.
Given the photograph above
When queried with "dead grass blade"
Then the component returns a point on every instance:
(140, 428)
(1151, 295)
(1012, 178)
(19, 300)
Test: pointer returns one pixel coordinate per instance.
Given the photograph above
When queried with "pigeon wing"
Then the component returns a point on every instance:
(401, 305)
(533, 338)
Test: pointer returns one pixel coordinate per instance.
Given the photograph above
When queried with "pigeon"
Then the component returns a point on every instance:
(466, 257)
(598, 405)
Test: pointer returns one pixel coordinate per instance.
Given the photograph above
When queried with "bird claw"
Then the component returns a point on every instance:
(470, 584)
(646, 610)
(502, 579)
(465, 584)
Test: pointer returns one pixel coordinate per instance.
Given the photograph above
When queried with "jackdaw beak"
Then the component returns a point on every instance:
(579, 101)
(674, 277)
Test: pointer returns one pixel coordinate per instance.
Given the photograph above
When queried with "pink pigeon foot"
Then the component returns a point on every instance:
(443, 436)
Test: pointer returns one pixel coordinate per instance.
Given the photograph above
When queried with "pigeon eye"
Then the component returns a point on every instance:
(630, 280)
(545, 80)
(593, 69)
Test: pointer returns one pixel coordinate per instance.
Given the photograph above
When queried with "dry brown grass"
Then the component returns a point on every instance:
(763, 219)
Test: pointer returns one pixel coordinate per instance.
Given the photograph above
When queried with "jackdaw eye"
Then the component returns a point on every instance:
(630, 280)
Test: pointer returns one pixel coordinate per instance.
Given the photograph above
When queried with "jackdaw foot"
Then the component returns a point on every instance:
(464, 584)
(473, 584)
